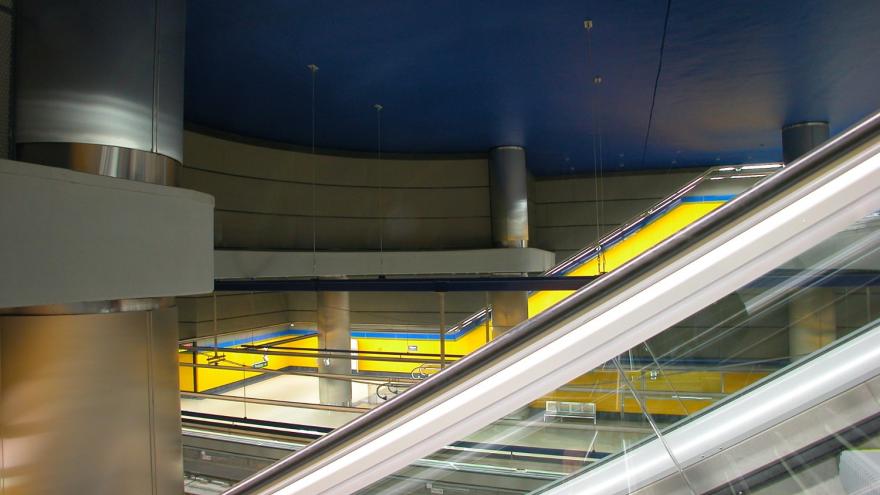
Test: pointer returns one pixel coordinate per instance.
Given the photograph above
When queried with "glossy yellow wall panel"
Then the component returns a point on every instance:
(661, 228)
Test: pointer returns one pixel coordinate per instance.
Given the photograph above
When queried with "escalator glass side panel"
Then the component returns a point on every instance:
(746, 339)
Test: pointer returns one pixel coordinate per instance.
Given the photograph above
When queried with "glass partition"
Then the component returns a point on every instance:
(743, 341)
(255, 361)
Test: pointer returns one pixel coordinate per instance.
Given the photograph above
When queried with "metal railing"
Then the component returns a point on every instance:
(810, 171)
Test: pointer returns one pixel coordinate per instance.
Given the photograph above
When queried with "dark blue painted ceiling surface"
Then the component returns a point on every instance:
(467, 75)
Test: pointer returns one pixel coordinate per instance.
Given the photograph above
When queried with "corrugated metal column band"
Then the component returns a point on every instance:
(812, 315)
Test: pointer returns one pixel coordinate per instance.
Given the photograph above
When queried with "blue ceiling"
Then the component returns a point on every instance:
(466, 75)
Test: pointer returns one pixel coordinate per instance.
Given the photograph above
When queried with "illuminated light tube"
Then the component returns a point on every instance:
(762, 166)
(749, 176)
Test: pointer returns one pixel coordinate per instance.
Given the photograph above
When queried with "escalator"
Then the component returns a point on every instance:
(740, 355)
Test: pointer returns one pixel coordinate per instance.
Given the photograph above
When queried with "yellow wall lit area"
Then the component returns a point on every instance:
(661, 228)
(465, 344)
(201, 379)
(674, 392)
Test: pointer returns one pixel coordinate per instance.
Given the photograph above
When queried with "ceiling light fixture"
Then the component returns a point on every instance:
(762, 166)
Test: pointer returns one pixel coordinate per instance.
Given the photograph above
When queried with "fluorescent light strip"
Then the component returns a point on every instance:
(749, 176)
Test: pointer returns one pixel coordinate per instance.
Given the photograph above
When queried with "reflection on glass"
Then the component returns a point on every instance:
(743, 341)
(291, 373)
(398, 339)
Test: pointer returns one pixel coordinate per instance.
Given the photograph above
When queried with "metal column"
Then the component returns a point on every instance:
(90, 395)
(509, 308)
(508, 191)
(100, 86)
(800, 138)
(334, 332)
(813, 322)
(508, 188)
(90, 402)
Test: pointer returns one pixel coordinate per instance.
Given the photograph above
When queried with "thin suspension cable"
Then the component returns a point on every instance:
(380, 211)
(600, 182)
(597, 148)
(314, 70)
(656, 82)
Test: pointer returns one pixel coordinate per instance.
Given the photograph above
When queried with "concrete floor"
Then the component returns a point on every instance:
(607, 436)
(529, 430)
(290, 388)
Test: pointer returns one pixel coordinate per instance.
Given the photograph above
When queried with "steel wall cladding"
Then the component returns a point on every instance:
(6, 22)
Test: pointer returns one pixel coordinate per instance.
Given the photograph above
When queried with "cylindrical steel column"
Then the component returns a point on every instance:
(99, 83)
(509, 308)
(802, 137)
(508, 192)
(508, 189)
(813, 322)
(90, 402)
(90, 396)
(334, 332)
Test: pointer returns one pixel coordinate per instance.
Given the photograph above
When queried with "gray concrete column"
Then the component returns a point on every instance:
(813, 322)
(90, 402)
(508, 190)
(334, 332)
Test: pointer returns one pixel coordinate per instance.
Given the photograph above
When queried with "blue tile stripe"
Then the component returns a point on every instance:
(234, 342)
(708, 198)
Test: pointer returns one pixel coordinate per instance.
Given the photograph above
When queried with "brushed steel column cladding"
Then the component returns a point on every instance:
(334, 332)
(509, 308)
(105, 72)
(508, 191)
(812, 316)
(6, 43)
(90, 403)
(90, 394)
(800, 138)
(813, 321)
(112, 161)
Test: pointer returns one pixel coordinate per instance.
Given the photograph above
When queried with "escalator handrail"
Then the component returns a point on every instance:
(815, 166)
(787, 394)
(618, 233)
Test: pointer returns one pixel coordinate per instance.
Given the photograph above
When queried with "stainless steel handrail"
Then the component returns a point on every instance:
(383, 418)
(619, 231)
(597, 246)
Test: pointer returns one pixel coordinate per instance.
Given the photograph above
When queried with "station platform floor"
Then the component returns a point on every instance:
(606, 436)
